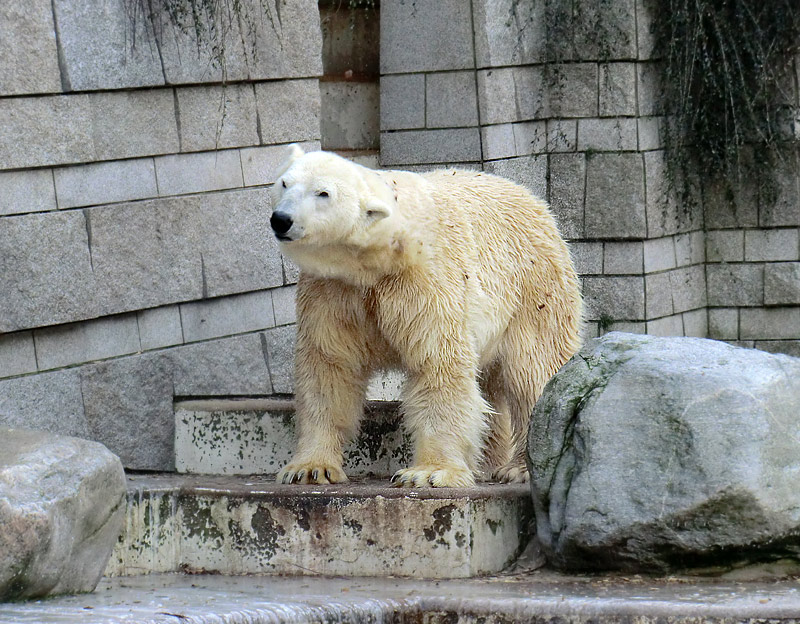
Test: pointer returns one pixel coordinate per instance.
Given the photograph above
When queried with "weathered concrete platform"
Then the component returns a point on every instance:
(252, 525)
(542, 598)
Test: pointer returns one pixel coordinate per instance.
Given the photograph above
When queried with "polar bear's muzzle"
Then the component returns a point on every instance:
(281, 223)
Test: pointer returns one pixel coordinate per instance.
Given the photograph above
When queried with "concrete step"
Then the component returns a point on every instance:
(245, 525)
(257, 436)
(544, 598)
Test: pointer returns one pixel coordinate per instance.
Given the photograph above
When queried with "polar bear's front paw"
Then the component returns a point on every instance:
(304, 472)
(433, 476)
(511, 473)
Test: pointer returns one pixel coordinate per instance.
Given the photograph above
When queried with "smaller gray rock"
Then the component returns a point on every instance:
(653, 454)
(62, 505)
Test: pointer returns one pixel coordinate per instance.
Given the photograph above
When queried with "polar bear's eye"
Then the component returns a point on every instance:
(283, 183)
(323, 194)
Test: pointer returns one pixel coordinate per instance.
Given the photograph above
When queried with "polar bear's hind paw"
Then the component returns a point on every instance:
(433, 476)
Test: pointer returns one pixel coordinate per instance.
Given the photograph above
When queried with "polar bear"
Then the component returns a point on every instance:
(458, 277)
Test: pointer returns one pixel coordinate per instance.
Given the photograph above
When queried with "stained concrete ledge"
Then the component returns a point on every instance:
(252, 525)
(543, 598)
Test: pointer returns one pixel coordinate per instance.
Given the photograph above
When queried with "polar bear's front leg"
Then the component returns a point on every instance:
(331, 374)
(447, 417)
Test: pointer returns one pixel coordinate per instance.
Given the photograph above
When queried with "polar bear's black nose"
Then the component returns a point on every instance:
(280, 222)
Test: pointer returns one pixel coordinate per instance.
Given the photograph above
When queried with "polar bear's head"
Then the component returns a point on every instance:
(325, 205)
(323, 199)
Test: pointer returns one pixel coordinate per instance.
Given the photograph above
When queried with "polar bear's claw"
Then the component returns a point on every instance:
(311, 472)
(511, 473)
(433, 476)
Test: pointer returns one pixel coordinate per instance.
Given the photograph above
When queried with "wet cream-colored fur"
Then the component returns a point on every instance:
(458, 277)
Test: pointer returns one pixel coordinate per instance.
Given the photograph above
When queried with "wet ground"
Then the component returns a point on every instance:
(540, 597)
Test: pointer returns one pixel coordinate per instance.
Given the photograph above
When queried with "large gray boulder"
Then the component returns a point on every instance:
(653, 454)
(62, 505)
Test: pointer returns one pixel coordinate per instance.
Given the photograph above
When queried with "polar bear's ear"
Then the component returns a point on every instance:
(377, 210)
(295, 152)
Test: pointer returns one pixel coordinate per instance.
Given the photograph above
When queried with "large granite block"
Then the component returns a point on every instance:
(240, 253)
(659, 254)
(127, 124)
(607, 135)
(497, 141)
(688, 286)
(104, 183)
(181, 249)
(430, 146)
(451, 100)
(146, 254)
(509, 32)
(159, 327)
(214, 118)
(283, 305)
(179, 174)
(41, 131)
(530, 137)
(224, 316)
(47, 270)
(402, 103)
(497, 96)
(769, 323)
(623, 258)
(278, 344)
(224, 367)
(17, 354)
(113, 259)
(428, 35)
(782, 283)
(735, 284)
(668, 212)
(617, 89)
(129, 409)
(723, 323)
(28, 54)
(76, 343)
(572, 89)
(587, 257)
(614, 298)
(779, 193)
(52, 401)
(529, 171)
(104, 46)
(605, 31)
(667, 326)
(26, 191)
(658, 295)
(562, 135)
(615, 197)
(289, 110)
(771, 245)
(567, 186)
(271, 40)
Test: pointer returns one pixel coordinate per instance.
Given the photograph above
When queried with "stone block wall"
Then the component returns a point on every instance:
(566, 107)
(753, 262)
(136, 260)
